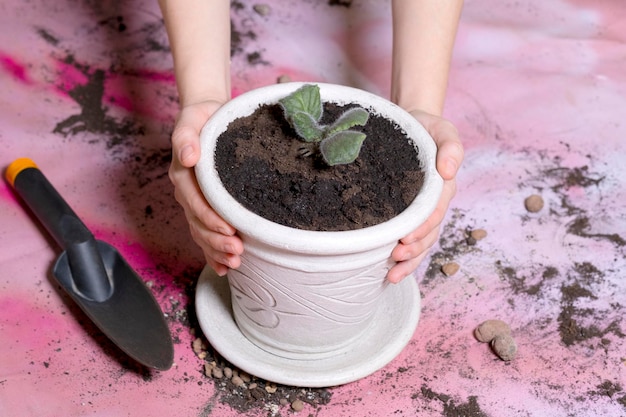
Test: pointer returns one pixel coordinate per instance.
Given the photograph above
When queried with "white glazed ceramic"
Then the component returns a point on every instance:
(307, 295)
(391, 327)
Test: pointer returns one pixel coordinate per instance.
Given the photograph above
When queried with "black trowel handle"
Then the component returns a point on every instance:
(46, 203)
(88, 271)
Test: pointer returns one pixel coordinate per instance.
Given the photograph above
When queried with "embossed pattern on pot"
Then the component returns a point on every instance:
(273, 309)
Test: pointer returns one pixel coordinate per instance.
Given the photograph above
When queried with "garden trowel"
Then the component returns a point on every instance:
(95, 275)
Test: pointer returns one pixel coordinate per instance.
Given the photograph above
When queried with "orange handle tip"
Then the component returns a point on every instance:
(16, 167)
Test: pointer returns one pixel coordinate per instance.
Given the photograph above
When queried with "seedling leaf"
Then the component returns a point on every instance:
(307, 128)
(305, 99)
(338, 145)
(342, 147)
(356, 116)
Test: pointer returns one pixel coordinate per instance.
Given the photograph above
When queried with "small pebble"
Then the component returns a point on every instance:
(245, 377)
(478, 234)
(488, 330)
(297, 405)
(253, 385)
(450, 268)
(237, 381)
(533, 203)
(197, 345)
(261, 9)
(504, 346)
(208, 369)
(217, 373)
(228, 373)
(283, 401)
(271, 388)
(283, 79)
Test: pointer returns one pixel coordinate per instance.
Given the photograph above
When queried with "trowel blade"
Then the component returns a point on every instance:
(130, 317)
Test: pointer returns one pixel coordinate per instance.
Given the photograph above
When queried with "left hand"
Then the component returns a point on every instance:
(414, 247)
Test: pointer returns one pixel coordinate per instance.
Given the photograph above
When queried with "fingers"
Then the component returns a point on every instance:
(186, 146)
(217, 239)
(413, 248)
(186, 134)
(221, 252)
(189, 195)
(450, 151)
(450, 155)
(410, 256)
(436, 217)
(403, 269)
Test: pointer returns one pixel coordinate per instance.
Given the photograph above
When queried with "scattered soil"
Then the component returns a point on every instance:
(581, 225)
(470, 408)
(572, 317)
(612, 390)
(260, 163)
(93, 116)
(454, 242)
(245, 392)
(242, 35)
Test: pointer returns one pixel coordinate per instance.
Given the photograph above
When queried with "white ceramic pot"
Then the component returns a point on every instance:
(308, 295)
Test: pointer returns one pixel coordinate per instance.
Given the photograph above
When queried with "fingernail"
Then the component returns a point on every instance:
(186, 153)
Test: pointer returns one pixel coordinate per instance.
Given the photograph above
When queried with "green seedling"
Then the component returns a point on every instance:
(335, 142)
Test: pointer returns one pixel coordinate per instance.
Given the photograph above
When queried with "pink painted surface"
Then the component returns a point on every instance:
(538, 92)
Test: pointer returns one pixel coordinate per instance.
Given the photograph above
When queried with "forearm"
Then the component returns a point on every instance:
(199, 35)
(423, 39)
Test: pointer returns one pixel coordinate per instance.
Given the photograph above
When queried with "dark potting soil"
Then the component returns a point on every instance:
(260, 163)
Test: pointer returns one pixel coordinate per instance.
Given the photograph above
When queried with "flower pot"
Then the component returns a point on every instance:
(311, 297)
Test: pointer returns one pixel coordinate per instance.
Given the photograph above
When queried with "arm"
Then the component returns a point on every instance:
(423, 39)
(199, 35)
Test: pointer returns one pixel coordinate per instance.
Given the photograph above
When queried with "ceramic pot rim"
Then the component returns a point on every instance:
(253, 226)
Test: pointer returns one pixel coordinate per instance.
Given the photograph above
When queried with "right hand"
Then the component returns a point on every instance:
(413, 248)
(217, 239)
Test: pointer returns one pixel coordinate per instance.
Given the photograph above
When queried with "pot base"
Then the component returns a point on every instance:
(391, 330)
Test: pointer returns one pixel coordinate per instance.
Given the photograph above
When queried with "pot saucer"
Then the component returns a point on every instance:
(391, 330)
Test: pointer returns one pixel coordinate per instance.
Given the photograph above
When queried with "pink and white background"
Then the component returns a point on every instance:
(538, 92)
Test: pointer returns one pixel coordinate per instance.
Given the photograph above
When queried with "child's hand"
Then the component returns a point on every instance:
(413, 248)
(216, 238)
